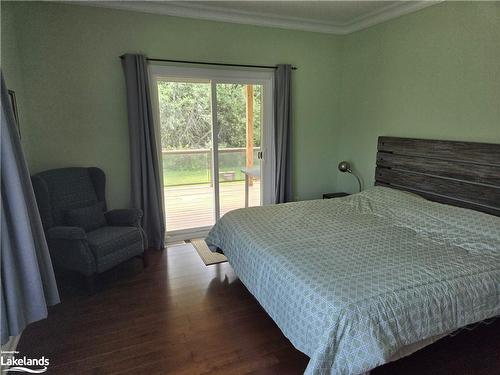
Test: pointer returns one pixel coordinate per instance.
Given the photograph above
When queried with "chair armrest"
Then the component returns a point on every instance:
(124, 217)
(69, 249)
(66, 233)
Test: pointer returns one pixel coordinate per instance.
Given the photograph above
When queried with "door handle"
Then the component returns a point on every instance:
(259, 155)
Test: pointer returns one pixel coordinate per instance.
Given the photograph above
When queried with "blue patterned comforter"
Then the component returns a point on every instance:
(351, 281)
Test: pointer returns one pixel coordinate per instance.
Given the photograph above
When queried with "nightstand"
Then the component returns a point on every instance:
(334, 195)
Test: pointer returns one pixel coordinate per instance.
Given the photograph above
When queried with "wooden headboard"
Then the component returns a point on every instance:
(464, 174)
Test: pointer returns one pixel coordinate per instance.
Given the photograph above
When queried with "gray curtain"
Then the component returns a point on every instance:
(28, 283)
(144, 169)
(282, 133)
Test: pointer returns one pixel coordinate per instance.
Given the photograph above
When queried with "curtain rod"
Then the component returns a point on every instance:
(216, 64)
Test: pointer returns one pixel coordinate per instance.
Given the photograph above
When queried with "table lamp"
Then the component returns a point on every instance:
(344, 166)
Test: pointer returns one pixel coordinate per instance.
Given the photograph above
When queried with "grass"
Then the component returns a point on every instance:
(192, 177)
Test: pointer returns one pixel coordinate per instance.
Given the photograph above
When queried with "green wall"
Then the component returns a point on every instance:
(431, 74)
(434, 73)
(10, 57)
(75, 107)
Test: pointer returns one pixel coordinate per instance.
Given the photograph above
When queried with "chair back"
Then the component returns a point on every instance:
(63, 189)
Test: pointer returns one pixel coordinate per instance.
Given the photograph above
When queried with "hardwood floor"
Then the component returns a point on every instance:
(179, 316)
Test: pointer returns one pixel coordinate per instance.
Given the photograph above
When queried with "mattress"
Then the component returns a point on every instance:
(353, 281)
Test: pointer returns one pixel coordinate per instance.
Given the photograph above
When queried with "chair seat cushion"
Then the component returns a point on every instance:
(89, 218)
(113, 245)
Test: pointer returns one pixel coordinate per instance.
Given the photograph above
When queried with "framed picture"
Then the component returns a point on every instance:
(13, 102)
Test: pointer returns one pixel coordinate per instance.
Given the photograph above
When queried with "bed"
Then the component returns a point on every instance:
(359, 281)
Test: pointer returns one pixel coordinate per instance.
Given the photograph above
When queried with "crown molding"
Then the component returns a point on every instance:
(205, 12)
(387, 13)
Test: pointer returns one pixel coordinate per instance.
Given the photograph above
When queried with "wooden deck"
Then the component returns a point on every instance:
(192, 206)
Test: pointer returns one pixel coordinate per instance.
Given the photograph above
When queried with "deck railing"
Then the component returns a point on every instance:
(194, 166)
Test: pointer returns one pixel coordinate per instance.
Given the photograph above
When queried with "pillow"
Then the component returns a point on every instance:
(88, 218)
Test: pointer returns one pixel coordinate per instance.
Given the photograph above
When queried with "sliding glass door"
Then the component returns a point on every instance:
(185, 119)
(215, 133)
(239, 124)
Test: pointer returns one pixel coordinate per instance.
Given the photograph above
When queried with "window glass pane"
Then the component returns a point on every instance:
(186, 141)
(239, 139)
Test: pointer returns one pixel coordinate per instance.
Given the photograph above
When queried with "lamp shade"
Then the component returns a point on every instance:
(344, 166)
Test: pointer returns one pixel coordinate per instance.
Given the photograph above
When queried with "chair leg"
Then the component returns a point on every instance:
(145, 259)
(91, 281)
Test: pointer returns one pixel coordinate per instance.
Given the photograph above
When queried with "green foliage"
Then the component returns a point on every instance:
(185, 121)
(185, 115)
(231, 115)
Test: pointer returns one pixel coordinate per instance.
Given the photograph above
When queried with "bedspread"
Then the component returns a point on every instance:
(352, 280)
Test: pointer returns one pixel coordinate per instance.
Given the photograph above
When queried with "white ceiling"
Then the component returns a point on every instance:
(334, 17)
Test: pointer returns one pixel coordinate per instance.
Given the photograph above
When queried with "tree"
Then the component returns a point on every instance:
(185, 115)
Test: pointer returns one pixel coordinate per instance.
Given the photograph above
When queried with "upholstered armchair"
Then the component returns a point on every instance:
(82, 235)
